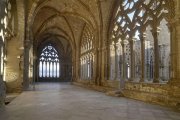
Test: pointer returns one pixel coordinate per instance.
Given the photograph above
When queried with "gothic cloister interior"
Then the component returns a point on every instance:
(90, 59)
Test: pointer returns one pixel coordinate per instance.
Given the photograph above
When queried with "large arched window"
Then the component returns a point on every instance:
(142, 27)
(49, 64)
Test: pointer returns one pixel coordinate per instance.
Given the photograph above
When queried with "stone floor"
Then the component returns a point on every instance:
(68, 102)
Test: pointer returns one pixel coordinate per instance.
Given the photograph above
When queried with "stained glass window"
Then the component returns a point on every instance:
(49, 66)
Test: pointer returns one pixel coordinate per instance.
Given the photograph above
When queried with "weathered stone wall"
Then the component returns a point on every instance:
(13, 81)
(112, 83)
(14, 51)
(2, 92)
(153, 93)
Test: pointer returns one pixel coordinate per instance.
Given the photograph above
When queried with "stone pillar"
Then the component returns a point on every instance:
(122, 81)
(87, 78)
(35, 75)
(26, 65)
(2, 91)
(90, 66)
(98, 64)
(95, 68)
(142, 38)
(115, 62)
(118, 44)
(86, 68)
(104, 64)
(92, 69)
(174, 90)
(77, 66)
(132, 58)
(177, 54)
(106, 69)
(83, 69)
(156, 55)
(175, 46)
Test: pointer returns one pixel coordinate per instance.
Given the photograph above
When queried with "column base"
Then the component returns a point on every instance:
(156, 80)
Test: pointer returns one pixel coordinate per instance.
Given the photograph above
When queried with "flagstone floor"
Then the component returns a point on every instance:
(62, 101)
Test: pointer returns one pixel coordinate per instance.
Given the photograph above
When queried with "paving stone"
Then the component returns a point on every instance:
(68, 102)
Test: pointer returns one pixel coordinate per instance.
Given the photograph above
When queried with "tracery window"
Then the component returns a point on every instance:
(87, 55)
(49, 64)
(142, 27)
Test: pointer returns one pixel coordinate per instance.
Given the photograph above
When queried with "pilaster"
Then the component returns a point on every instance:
(175, 46)
(26, 64)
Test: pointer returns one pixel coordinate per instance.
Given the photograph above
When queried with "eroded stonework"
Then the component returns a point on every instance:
(2, 92)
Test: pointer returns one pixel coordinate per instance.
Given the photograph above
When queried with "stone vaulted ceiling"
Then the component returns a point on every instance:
(63, 18)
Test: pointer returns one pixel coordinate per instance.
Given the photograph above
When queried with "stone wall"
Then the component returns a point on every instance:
(13, 77)
(153, 93)
(2, 92)
(14, 50)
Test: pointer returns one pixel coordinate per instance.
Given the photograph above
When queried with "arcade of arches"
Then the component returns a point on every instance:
(127, 47)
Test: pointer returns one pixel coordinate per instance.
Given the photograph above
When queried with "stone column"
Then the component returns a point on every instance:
(115, 61)
(92, 68)
(26, 65)
(77, 66)
(35, 75)
(95, 66)
(118, 44)
(142, 38)
(104, 63)
(122, 81)
(175, 46)
(156, 55)
(89, 63)
(174, 90)
(106, 69)
(2, 91)
(86, 69)
(83, 68)
(132, 58)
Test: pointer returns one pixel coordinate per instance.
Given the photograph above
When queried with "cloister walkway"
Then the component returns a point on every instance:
(60, 101)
